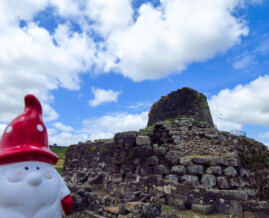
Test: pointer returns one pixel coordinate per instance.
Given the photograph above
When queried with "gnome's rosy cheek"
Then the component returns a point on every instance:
(14, 174)
(48, 173)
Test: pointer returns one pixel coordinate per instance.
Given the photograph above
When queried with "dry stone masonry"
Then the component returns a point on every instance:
(183, 102)
(185, 163)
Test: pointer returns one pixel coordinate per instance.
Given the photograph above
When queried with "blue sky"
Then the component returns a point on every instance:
(98, 65)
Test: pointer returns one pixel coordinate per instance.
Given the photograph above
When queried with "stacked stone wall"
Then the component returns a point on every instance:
(184, 163)
(183, 102)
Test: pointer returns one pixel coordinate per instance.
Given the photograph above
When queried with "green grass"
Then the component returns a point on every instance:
(60, 152)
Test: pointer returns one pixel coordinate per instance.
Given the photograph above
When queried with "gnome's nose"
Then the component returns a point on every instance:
(34, 179)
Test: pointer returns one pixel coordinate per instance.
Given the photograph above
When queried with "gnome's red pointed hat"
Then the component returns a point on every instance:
(26, 138)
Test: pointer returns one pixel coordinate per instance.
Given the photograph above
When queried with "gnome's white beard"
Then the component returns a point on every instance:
(30, 189)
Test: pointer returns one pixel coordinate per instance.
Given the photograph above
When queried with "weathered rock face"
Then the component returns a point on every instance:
(183, 102)
(181, 163)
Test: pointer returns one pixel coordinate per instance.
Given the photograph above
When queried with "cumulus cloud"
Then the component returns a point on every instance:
(242, 105)
(166, 39)
(62, 127)
(102, 96)
(113, 123)
(97, 128)
(244, 62)
(2, 128)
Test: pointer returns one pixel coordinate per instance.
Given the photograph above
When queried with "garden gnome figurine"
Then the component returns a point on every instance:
(30, 187)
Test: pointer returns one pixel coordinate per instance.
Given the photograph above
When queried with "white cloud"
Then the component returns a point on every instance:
(102, 96)
(108, 125)
(140, 105)
(244, 62)
(62, 127)
(2, 128)
(264, 135)
(66, 139)
(245, 104)
(166, 39)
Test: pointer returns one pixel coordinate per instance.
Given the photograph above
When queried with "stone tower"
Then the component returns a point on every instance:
(183, 102)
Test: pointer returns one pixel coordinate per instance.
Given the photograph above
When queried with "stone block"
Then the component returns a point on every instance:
(200, 160)
(126, 135)
(177, 203)
(143, 151)
(130, 205)
(236, 208)
(215, 170)
(171, 178)
(142, 140)
(128, 143)
(185, 161)
(160, 170)
(209, 181)
(151, 161)
(220, 207)
(223, 182)
(171, 160)
(151, 210)
(230, 172)
(195, 169)
(203, 209)
(159, 151)
(234, 162)
(234, 183)
(192, 180)
(178, 170)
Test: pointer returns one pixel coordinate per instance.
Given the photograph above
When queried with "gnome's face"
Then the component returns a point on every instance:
(29, 183)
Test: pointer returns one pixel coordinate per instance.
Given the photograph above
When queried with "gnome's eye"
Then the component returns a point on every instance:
(26, 168)
(39, 127)
(37, 168)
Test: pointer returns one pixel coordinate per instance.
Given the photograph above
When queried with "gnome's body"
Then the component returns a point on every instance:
(30, 187)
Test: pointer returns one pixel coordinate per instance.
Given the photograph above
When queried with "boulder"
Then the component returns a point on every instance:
(185, 161)
(178, 170)
(195, 169)
(160, 170)
(192, 180)
(230, 172)
(215, 170)
(142, 140)
(209, 181)
(223, 182)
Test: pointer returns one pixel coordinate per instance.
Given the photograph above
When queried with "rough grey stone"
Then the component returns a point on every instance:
(204, 209)
(159, 151)
(193, 180)
(151, 210)
(223, 182)
(171, 160)
(230, 172)
(236, 208)
(200, 160)
(160, 170)
(215, 170)
(178, 170)
(172, 178)
(142, 140)
(234, 183)
(195, 169)
(209, 181)
(185, 161)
